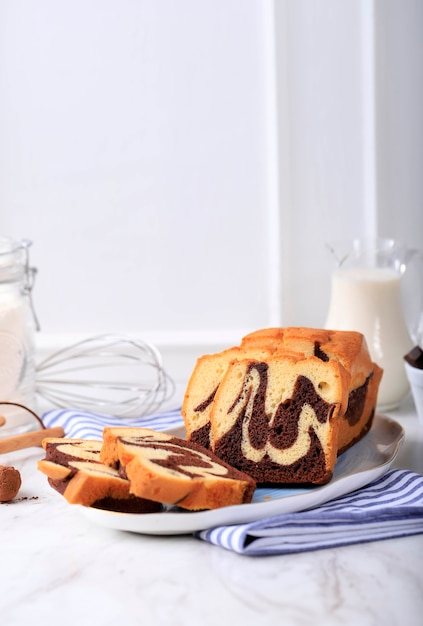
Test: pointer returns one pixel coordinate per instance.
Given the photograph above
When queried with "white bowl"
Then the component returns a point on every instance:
(415, 378)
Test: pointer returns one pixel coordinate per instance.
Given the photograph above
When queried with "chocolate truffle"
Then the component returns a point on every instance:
(10, 483)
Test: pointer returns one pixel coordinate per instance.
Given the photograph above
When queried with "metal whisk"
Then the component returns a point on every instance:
(110, 374)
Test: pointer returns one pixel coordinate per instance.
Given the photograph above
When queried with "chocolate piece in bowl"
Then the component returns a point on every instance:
(168, 469)
(415, 357)
(74, 469)
(414, 370)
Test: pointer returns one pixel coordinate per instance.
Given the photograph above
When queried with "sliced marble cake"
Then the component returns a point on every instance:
(168, 469)
(74, 469)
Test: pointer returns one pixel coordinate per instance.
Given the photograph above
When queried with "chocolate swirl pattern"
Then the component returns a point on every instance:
(203, 386)
(158, 449)
(282, 426)
(285, 436)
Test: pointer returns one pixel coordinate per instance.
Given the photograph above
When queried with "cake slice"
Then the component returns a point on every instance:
(74, 469)
(202, 387)
(278, 419)
(167, 469)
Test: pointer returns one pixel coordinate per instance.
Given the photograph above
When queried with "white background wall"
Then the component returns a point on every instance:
(179, 166)
(134, 155)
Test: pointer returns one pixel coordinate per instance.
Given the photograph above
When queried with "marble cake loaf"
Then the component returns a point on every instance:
(168, 469)
(284, 418)
(74, 469)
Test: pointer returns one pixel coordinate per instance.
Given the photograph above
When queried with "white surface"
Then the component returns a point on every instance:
(58, 563)
(365, 462)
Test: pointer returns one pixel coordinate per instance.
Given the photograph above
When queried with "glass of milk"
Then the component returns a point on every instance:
(367, 295)
(17, 337)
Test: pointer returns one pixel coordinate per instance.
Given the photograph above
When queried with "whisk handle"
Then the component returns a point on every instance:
(27, 440)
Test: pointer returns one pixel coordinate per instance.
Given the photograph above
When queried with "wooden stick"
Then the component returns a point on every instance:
(27, 440)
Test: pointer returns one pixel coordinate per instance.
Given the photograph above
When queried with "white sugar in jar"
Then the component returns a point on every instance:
(18, 324)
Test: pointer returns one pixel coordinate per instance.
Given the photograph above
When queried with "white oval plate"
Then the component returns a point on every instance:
(364, 462)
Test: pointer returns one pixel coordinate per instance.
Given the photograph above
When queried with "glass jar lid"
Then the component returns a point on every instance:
(14, 267)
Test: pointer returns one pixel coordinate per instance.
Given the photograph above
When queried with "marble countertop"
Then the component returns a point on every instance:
(58, 567)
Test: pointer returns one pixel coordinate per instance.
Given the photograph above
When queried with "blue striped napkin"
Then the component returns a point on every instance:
(79, 424)
(392, 506)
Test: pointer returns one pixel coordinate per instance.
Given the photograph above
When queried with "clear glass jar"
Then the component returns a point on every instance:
(18, 324)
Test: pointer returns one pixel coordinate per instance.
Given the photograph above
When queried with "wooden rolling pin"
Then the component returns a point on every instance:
(27, 440)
